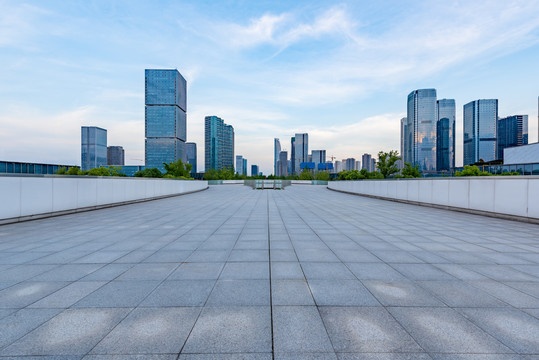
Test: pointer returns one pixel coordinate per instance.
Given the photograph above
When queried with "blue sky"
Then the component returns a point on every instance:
(340, 71)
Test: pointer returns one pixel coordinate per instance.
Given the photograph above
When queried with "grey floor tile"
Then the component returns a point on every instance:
(68, 295)
(291, 292)
(150, 331)
(316, 270)
(198, 271)
(231, 330)
(69, 272)
(422, 272)
(341, 293)
(180, 293)
(157, 271)
(401, 293)
(377, 271)
(28, 292)
(289, 335)
(366, 329)
(286, 270)
(461, 294)
(245, 270)
(249, 255)
(383, 356)
(22, 322)
(240, 292)
(444, 330)
(118, 294)
(72, 332)
(514, 328)
(108, 272)
(234, 356)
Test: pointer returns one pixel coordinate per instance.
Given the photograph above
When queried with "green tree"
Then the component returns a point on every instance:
(73, 171)
(387, 163)
(177, 170)
(321, 175)
(410, 171)
(306, 175)
(61, 171)
(472, 171)
(149, 173)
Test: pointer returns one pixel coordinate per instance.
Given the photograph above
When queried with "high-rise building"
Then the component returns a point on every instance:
(420, 135)
(403, 132)
(239, 164)
(165, 117)
(292, 155)
(338, 166)
(511, 131)
(373, 164)
(480, 118)
(244, 167)
(191, 150)
(445, 134)
(318, 157)
(276, 151)
(219, 144)
(301, 153)
(283, 163)
(93, 147)
(366, 160)
(254, 170)
(357, 166)
(349, 164)
(115, 155)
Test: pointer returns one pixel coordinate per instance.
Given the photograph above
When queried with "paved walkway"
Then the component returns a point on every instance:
(303, 273)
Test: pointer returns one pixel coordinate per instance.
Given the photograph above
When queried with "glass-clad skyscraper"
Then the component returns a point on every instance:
(191, 149)
(366, 160)
(254, 170)
(93, 147)
(511, 131)
(318, 157)
(445, 134)
(165, 117)
(403, 132)
(480, 118)
(115, 155)
(276, 152)
(420, 136)
(219, 144)
(292, 156)
(301, 150)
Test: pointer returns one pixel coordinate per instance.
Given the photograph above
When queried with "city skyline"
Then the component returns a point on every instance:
(348, 93)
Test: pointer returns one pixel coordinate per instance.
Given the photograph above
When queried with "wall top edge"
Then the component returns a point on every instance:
(130, 178)
(519, 177)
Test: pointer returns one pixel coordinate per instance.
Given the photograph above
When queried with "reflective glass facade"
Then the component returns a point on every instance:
(366, 160)
(11, 167)
(191, 149)
(276, 151)
(480, 130)
(445, 135)
(239, 164)
(511, 131)
(420, 131)
(219, 144)
(165, 117)
(115, 155)
(254, 170)
(93, 147)
(292, 167)
(301, 150)
(283, 164)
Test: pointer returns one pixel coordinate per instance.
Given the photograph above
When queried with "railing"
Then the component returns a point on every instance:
(267, 184)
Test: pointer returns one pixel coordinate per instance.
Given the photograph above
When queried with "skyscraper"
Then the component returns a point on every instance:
(245, 167)
(301, 152)
(115, 155)
(219, 144)
(511, 131)
(239, 164)
(292, 155)
(366, 160)
(445, 134)
(93, 147)
(349, 164)
(420, 136)
(191, 149)
(165, 117)
(283, 163)
(276, 151)
(318, 157)
(480, 118)
(254, 170)
(403, 131)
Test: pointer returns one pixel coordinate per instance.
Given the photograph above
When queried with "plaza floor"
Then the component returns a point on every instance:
(302, 273)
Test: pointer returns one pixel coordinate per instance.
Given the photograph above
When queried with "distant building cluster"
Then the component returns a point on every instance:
(300, 159)
(428, 132)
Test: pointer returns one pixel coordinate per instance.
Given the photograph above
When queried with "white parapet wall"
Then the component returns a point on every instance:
(27, 197)
(505, 196)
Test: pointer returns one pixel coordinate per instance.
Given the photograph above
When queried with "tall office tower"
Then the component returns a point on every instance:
(511, 131)
(283, 163)
(318, 157)
(357, 166)
(115, 155)
(349, 164)
(276, 151)
(93, 147)
(403, 131)
(244, 167)
(301, 150)
(165, 117)
(191, 150)
(289, 167)
(480, 117)
(218, 144)
(254, 170)
(366, 160)
(292, 155)
(239, 164)
(420, 136)
(338, 166)
(373, 164)
(445, 134)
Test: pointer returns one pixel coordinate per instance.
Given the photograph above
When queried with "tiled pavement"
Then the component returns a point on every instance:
(303, 273)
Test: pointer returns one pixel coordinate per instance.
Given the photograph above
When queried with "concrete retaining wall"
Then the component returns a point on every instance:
(26, 197)
(510, 196)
